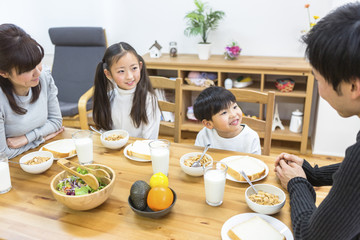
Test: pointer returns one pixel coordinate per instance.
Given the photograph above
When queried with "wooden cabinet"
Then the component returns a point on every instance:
(263, 70)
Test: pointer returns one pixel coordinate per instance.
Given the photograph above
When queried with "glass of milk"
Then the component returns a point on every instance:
(5, 181)
(214, 179)
(84, 146)
(160, 155)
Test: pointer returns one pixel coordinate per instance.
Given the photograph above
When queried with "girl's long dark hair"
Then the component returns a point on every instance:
(20, 52)
(102, 108)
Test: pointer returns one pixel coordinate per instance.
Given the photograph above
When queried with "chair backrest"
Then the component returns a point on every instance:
(262, 127)
(174, 107)
(78, 50)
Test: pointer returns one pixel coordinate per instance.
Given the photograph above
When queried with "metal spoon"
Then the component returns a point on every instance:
(90, 179)
(197, 163)
(248, 180)
(17, 162)
(95, 130)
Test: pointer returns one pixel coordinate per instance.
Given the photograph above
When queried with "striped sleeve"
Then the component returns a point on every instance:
(338, 215)
(320, 176)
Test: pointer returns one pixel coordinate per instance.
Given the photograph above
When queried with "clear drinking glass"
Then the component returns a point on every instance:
(5, 181)
(84, 146)
(160, 155)
(214, 179)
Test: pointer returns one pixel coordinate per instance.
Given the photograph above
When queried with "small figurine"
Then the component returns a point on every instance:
(276, 120)
(155, 50)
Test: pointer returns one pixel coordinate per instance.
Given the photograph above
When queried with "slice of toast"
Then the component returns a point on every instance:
(140, 149)
(255, 228)
(251, 166)
(61, 149)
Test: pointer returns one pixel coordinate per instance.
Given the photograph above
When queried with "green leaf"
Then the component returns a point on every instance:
(82, 191)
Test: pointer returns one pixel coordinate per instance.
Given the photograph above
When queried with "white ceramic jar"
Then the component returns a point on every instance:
(296, 121)
(228, 83)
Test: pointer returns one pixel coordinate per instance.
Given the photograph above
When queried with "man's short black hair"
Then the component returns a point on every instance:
(211, 101)
(333, 45)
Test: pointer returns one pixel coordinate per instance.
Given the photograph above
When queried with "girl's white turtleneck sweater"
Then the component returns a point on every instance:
(121, 104)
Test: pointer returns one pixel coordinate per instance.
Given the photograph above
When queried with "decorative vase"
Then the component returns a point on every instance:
(204, 51)
(232, 51)
(229, 56)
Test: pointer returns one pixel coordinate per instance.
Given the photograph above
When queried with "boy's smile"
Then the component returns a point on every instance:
(227, 122)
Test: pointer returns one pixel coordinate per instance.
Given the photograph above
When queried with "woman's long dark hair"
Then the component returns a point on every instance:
(20, 52)
(102, 108)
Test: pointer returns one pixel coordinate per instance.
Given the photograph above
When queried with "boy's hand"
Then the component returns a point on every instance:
(287, 171)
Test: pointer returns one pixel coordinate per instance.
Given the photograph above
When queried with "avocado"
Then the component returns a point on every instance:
(138, 194)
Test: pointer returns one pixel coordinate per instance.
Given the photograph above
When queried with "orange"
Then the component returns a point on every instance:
(160, 198)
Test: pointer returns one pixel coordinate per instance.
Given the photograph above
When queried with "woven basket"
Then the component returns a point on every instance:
(285, 84)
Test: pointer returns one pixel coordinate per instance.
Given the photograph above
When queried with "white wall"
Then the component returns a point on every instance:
(261, 27)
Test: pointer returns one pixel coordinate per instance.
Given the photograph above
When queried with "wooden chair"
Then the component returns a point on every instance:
(174, 107)
(262, 127)
(78, 50)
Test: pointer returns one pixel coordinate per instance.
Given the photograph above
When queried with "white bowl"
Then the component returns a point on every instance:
(115, 144)
(265, 209)
(36, 168)
(193, 171)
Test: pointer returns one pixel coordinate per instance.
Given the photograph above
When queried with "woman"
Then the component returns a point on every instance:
(29, 108)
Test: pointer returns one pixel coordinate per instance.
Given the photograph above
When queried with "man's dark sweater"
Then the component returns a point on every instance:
(338, 216)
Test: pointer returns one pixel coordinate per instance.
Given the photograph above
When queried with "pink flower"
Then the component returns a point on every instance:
(232, 51)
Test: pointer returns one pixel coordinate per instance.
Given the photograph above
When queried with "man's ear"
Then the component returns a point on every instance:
(4, 74)
(207, 124)
(355, 88)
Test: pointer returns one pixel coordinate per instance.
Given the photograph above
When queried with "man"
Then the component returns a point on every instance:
(333, 49)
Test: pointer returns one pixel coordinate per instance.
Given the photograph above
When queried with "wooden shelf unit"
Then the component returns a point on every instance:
(263, 70)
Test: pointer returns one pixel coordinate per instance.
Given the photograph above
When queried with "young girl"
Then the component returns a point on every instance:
(123, 96)
(29, 108)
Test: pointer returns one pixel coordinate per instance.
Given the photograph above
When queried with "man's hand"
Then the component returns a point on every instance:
(289, 158)
(287, 171)
(17, 142)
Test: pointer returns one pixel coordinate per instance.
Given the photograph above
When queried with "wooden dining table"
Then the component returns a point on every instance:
(29, 210)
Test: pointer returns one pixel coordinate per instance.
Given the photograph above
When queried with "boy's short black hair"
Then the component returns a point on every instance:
(211, 101)
(333, 45)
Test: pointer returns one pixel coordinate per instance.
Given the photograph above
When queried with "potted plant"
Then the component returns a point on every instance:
(200, 22)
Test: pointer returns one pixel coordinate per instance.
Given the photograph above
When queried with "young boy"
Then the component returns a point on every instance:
(217, 109)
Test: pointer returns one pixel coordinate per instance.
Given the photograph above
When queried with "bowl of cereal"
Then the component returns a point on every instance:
(269, 199)
(36, 162)
(114, 139)
(189, 158)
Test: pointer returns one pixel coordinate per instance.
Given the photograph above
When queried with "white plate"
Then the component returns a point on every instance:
(68, 141)
(245, 158)
(277, 224)
(134, 158)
